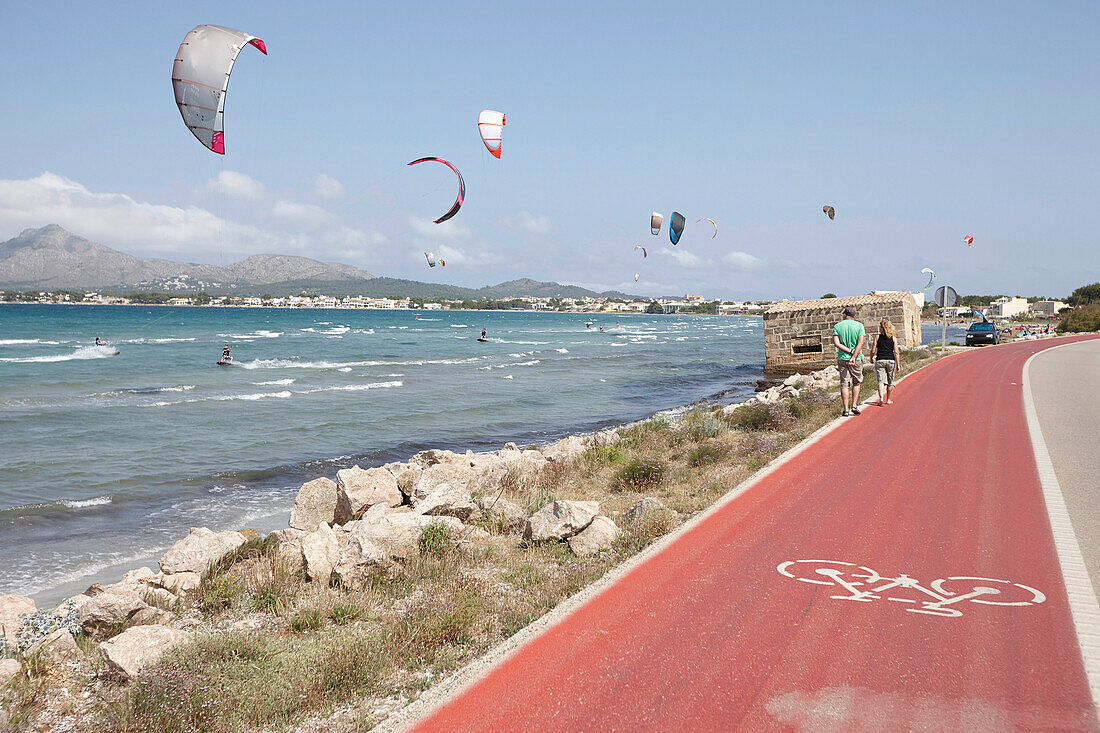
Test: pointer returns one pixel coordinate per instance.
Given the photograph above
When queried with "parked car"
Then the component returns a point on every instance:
(982, 334)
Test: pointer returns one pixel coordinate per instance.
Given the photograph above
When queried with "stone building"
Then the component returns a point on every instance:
(798, 334)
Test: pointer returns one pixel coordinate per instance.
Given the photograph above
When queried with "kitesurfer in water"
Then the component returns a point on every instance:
(225, 354)
(483, 334)
(99, 341)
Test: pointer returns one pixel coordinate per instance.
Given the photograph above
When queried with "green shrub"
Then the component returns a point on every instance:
(640, 473)
(760, 416)
(706, 427)
(708, 453)
(218, 592)
(610, 455)
(436, 539)
(342, 613)
(1078, 320)
(306, 621)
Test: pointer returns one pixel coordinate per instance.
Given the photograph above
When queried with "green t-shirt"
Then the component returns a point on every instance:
(849, 330)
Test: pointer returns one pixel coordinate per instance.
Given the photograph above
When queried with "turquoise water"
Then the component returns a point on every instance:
(110, 458)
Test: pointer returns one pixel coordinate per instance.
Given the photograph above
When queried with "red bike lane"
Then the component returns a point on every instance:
(709, 635)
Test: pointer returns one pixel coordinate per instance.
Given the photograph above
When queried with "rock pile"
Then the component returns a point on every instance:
(792, 386)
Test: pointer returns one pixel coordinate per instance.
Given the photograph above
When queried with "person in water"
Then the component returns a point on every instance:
(225, 354)
(601, 328)
(100, 342)
(483, 333)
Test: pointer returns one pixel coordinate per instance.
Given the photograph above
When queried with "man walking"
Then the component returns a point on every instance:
(848, 338)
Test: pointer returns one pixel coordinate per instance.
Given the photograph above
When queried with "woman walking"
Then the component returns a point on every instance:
(886, 356)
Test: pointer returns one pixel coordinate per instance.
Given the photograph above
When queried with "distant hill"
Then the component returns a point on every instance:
(51, 258)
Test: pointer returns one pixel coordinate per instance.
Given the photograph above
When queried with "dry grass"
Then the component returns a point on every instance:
(326, 647)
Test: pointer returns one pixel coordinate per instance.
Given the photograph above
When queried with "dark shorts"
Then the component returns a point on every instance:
(851, 371)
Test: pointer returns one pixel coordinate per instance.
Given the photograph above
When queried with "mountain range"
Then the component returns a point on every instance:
(52, 258)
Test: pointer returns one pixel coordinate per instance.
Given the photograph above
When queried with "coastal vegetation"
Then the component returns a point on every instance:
(269, 650)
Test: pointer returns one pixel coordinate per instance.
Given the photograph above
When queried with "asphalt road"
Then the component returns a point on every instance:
(860, 586)
(1065, 384)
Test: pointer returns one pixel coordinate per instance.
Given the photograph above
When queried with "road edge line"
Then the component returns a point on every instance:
(477, 669)
(1083, 606)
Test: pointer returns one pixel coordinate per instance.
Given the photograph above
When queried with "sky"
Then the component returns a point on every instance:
(919, 122)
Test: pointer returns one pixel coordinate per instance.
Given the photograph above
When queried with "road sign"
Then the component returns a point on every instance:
(946, 296)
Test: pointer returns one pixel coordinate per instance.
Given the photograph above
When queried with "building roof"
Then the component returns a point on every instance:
(833, 303)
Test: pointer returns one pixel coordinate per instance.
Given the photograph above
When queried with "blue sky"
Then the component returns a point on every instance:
(919, 122)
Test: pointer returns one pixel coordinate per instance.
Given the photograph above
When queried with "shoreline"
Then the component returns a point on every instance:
(52, 595)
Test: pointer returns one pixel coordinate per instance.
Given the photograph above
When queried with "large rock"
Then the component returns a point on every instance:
(196, 552)
(107, 611)
(502, 512)
(8, 669)
(180, 583)
(358, 489)
(320, 551)
(359, 559)
(448, 501)
(12, 610)
(315, 503)
(397, 534)
(406, 474)
(599, 535)
(436, 475)
(57, 649)
(135, 649)
(287, 535)
(560, 520)
(565, 448)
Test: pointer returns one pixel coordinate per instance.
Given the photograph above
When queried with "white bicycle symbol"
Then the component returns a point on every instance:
(864, 584)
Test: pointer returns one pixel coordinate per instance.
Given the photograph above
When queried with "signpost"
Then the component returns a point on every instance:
(945, 297)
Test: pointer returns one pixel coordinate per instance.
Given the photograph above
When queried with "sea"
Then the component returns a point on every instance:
(108, 458)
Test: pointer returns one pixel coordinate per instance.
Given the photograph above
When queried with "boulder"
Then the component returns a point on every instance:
(448, 501)
(437, 474)
(320, 551)
(78, 601)
(12, 610)
(57, 649)
(358, 489)
(286, 535)
(105, 612)
(135, 649)
(502, 512)
(599, 535)
(137, 577)
(565, 448)
(560, 520)
(397, 534)
(161, 598)
(789, 392)
(180, 583)
(8, 669)
(315, 503)
(196, 552)
(644, 506)
(406, 474)
(359, 558)
(428, 458)
(93, 590)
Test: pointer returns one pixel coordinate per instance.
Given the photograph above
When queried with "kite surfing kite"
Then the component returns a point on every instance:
(200, 77)
(491, 124)
(640, 247)
(635, 277)
(430, 257)
(712, 223)
(461, 188)
(829, 211)
(969, 240)
(655, 220)
(676, 226)
(931, 276)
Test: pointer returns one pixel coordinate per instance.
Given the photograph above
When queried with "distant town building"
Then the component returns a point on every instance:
(1007, 307)
(798, 334)
(1047, 307)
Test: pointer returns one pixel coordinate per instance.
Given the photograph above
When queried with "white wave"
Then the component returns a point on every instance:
(366, 331)
(155, 341)
(275, 382)
(507, 376)
(525, 343)
(82, 503)
(459, 325)
(13, 342)
(258, 334)
(250, 397)
(562, 351)
(336, 330)
(526, 363)
(344, 369)
(84, 352)
(354, 387)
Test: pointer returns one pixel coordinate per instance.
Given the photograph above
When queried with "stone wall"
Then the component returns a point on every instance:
(798, 335)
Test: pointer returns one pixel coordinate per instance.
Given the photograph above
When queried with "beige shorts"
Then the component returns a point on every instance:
(885, 369)
(850, 371)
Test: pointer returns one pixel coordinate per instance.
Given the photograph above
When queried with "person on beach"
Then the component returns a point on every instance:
(225, 354)
(848, 338)
(886, 356)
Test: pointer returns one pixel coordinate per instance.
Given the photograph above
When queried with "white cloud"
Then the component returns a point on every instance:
(326, 186)
(528, 222)
(236, 185)
(119, 220)
(300, 213)
(743, 260)
(377, 196)
(450, 229)
(684, 258)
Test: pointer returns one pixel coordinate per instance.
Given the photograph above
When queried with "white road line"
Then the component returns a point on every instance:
(1082, 600)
